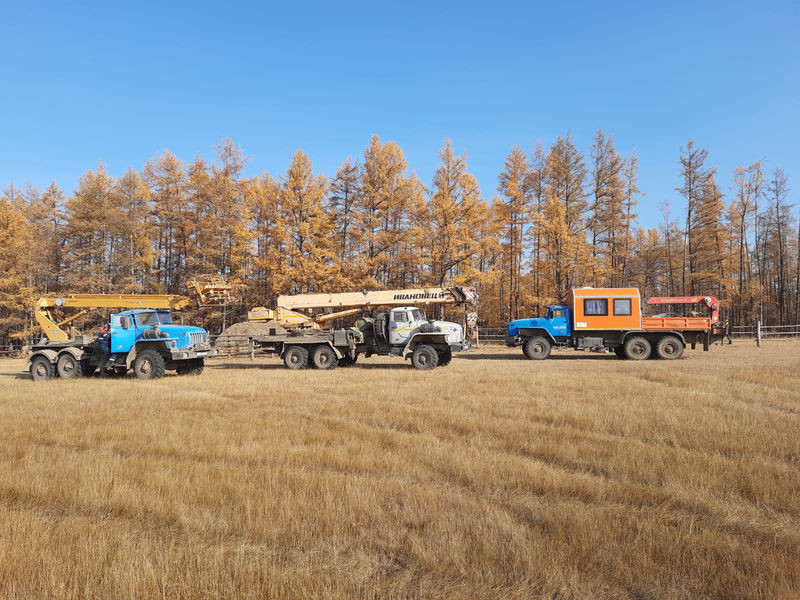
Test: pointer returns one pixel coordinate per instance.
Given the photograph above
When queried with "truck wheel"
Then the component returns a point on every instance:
(445, 356)
(669, 347)
(637, 348)
(149, 364)
(42, 369)
(325, 358)
(68, 367)
(536, 348)
(424, 357)
(295, 357)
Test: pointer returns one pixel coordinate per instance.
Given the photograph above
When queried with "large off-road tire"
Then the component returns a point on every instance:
(42, 369)
(149, 364)
(536, 348)
(325, 358)
(637, 348)
(68, 367)
(346, 361)
(669, 347)
(425, 357)
(193, 366)
(445, 356)
(295, 357)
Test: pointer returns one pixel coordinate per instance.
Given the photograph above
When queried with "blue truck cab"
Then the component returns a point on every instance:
(537, 336)
(144, 340)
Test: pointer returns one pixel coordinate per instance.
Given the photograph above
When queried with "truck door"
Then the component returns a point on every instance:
(123, 333)
(399, 327)
(559, 324)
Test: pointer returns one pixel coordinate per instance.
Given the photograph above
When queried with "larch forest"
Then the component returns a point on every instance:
(560, 218)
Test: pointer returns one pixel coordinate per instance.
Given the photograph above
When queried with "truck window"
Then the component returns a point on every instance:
(622, 306)
(558, 313)
(595, 307)
(400, 317)
(417, 315)
(120, 321)
(148, 319)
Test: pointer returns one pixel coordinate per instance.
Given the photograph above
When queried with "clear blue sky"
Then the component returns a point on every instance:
(121, 81)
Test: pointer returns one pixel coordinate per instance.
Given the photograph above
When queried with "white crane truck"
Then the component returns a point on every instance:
(403, 331)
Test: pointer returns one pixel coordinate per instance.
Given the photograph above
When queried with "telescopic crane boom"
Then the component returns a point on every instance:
(319, 309)
(415, 296)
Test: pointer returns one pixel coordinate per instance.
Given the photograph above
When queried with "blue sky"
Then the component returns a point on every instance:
(121, 81)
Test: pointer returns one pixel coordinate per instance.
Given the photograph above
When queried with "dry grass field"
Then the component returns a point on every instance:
(578, 477)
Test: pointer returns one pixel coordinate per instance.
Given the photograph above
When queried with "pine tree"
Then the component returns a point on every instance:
(708, 232)
(776, 235)
(173, 212)
(514, 215)
(566, 173)
(136, 232)
(749, 182)
(268, 267)
(694, 177)
(45, 216)
(310, 247)
(343, 208)
(451, 219)
(388, 200)
(17, 295)
(630, 177)
(608, 221)
(93, 217)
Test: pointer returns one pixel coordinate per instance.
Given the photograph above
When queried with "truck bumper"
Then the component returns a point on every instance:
(190, 353)
(513, 340)
(460, 346)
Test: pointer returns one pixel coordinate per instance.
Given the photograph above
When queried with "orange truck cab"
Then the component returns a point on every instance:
(611, 318)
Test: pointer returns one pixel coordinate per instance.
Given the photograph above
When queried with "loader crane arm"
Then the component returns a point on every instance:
(710, 302)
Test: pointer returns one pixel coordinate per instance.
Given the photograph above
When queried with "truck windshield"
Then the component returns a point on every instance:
(417, 315)
(153, 318)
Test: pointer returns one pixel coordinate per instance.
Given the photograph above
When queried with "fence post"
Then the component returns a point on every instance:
(758, 333)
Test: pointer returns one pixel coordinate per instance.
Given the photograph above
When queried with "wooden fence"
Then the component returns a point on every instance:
(765, 333)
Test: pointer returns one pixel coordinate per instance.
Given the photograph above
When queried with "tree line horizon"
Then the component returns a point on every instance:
(560, 218)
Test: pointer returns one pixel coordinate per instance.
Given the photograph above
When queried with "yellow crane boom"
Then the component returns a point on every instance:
(204, 291)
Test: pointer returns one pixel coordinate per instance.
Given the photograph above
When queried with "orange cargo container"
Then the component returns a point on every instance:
(605, 309)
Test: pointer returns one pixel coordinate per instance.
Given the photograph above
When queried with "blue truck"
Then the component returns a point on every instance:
(144, 340)
(611, 319)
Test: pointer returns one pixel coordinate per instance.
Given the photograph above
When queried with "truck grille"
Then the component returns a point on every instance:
(197, 338)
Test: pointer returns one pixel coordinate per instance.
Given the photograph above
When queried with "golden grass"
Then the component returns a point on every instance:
(578, 477)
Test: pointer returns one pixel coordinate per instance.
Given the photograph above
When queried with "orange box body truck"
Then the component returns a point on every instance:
(611, 318)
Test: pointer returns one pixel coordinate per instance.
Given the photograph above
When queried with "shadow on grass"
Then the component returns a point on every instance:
(280, 365)
(239, 366)
(520, 356)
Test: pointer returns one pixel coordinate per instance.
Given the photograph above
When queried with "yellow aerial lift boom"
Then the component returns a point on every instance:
(203, 291)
